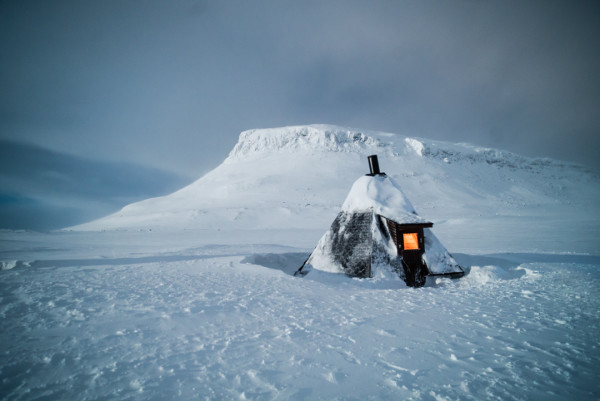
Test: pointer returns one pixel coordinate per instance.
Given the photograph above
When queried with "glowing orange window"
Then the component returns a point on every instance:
(411, 241)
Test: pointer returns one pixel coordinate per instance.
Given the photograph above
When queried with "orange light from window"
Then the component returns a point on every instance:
(411, 241)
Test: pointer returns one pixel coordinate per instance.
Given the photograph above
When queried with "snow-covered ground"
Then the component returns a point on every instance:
(191, 296)
(133, 315)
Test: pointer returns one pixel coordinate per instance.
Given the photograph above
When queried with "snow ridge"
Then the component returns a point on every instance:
(471, 154)
(323, 138)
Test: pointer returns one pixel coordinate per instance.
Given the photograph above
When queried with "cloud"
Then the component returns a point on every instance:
(171, 84)
(115, 80)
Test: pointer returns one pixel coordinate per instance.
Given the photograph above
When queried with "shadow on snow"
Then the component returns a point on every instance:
(509, 262)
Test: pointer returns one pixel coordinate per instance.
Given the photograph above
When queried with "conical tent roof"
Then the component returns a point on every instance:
(360, 243)
(382, 196)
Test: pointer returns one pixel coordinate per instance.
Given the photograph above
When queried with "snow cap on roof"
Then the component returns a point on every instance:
(383, 196)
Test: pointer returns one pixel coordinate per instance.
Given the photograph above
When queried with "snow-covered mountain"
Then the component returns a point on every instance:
(297, 177)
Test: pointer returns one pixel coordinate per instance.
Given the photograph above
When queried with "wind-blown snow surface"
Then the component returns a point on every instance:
(193, 315)
(192, 296)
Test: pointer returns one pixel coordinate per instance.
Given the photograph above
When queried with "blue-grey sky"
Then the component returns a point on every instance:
(168, 85)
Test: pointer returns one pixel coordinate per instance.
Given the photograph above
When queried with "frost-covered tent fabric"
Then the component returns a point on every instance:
(378, 232)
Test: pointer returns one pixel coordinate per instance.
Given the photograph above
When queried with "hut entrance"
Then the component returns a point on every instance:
(410, 243)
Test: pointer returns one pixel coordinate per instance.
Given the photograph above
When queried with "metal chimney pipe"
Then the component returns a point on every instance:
(374, 165)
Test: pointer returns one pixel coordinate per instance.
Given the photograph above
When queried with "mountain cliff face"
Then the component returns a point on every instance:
(297, 178)
(327, 138)
(321, 138)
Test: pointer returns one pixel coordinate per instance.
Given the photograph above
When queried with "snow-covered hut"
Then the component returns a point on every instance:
(378, 231)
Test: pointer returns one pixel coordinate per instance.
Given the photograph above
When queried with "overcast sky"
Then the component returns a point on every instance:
(170, 84)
